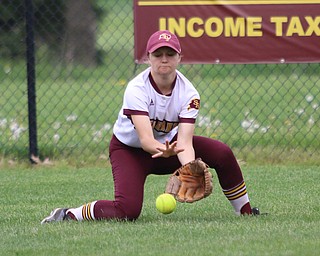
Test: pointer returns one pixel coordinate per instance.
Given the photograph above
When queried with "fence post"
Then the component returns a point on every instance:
(30, 55)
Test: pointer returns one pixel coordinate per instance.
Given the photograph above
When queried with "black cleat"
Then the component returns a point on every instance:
(256, 211)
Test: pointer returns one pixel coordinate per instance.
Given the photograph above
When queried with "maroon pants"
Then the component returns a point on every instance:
(131, 166)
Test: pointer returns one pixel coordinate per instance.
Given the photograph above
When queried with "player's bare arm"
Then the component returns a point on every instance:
(148, 143)
(185, 136)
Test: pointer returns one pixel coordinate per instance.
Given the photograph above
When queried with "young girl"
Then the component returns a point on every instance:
(154, 134)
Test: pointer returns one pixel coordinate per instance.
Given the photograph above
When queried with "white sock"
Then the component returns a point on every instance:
(239, 203)
(84, 212)
(237, 196)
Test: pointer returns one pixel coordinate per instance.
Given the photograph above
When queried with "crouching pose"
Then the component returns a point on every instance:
(154, 134)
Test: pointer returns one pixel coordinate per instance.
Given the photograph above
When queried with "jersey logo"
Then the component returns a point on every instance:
(195, 103)
(163, 126)
(151, 103)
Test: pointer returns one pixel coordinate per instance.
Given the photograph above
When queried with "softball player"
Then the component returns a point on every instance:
(154, 134)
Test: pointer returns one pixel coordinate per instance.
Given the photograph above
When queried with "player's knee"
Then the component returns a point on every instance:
(130, 211)
(226, 153)
(132, 214)
(226, 150)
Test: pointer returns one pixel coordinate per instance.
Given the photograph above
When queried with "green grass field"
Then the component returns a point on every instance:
(289, 194)
(266, 113)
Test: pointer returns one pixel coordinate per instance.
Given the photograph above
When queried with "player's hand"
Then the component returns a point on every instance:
(169, 150)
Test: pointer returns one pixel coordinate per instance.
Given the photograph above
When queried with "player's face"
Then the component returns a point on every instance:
(164, 60)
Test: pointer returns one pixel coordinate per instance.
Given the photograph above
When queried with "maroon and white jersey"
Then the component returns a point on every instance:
(142, 97)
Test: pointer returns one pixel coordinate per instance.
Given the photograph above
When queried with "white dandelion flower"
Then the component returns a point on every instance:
(56, 138)
(217, 122)
(315, 106)
(97, 135)
(106, 127)
(3, 123)
(57, 125)
(204, 121)
(299, 111)
(14, 126)
(311, 120)
(309, 98)
(72, 117)
(294, 77)
(250, 125)
(264, 129)
(17, 133)
(250, 130)
(7, 69)
(246, 124)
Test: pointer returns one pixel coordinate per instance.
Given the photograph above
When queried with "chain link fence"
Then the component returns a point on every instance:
(83, 61)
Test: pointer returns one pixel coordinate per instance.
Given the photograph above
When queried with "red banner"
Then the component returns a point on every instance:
(239, 31)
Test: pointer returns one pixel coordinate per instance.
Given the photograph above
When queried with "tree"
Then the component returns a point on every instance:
(80, 33)
(67, 27)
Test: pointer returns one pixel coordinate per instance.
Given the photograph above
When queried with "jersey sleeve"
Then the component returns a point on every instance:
(190, 108)
(135, 100)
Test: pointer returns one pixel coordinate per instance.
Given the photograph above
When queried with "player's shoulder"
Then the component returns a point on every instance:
(139, 80)
(183, 79)
(141, 77)
(185, 83)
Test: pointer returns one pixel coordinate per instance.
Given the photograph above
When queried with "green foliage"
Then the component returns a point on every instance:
(49, 20)
(12, 28)
(49, 24)
(209, 227)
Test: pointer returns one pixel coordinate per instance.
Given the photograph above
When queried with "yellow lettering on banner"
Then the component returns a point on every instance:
(217, 24)
(178, 27)
(295, 27)
(234, 27)
(254, 26)
(240, 26)
(213, 27)
(279, 24)
(192, 23)
(162, 24)
(313, 26)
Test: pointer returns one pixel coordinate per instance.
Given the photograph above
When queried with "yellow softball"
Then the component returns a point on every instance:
(166, 203)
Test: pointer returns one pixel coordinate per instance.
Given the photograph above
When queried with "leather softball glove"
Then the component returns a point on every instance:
(191, 182)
